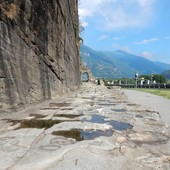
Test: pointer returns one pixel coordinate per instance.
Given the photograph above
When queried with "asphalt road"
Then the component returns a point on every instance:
(159, 103)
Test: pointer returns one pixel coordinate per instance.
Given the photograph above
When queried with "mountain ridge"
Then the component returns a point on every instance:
(118, 64)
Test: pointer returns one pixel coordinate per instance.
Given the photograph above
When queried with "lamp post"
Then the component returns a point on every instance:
(136, 80)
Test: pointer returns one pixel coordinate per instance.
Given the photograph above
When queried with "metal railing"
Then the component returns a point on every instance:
(158, 86)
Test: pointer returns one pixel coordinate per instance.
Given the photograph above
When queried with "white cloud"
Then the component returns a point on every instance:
(118, 38)
(146, 2)
(84, 13)
(147, 41)
(88, 7)
(148, 55)
(84, 24)
(121, 47)
(112, 14)
(167, 38)
(103, 37)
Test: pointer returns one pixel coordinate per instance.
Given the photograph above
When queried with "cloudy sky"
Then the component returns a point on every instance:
(140, 27)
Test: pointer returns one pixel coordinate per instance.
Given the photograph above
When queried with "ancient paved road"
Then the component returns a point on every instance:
(92, 128)
(159, 103)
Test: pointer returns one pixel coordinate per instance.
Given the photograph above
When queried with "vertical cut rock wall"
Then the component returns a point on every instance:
(39, 55)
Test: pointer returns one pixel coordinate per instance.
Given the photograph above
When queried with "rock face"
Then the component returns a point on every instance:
(39, 55)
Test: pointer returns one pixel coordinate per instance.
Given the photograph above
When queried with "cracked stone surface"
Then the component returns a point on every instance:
(83, 130)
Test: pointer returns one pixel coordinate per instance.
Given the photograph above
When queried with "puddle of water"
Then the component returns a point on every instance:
(39, 123)
(35, 123)
(67, 108)
(68, 115)
(120, 125)
(59, 104)
(107, 104)
(139, 116)
(92, 98)
(74, 133)
(37, 116)
(14, 122)
(49, 108)
(100, 100)
(115, 124)
(131, 104)
(96, 119)
(119, 110)
(80, 135)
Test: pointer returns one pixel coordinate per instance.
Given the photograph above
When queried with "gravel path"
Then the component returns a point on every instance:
(159, 103)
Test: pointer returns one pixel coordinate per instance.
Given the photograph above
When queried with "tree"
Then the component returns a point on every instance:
(145, 76)
(159, 78)
(154, 77)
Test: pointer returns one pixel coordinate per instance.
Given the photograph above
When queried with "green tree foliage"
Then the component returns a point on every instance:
(157, 77)
(145, 76)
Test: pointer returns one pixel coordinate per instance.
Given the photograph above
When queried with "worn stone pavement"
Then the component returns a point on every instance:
(93, 128)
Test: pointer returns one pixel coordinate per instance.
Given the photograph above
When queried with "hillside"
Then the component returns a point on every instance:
(166, 74)
(118, 64)
(163, 65)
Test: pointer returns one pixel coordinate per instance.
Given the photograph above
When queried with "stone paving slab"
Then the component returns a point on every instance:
(93, 128)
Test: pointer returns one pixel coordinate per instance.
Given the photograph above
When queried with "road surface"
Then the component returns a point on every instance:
(159, 103)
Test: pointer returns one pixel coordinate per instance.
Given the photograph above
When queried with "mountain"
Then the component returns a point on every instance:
(118, 64)
(166, 74)
(163, 65)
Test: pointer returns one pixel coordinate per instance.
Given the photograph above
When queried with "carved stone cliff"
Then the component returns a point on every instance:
(39, 54)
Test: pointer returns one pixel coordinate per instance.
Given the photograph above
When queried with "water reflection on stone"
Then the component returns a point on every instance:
(71, 116)
(80, 135)
(35, 123)
(115, 124)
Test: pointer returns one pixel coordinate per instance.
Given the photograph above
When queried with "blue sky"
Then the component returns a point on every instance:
(140, 27)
